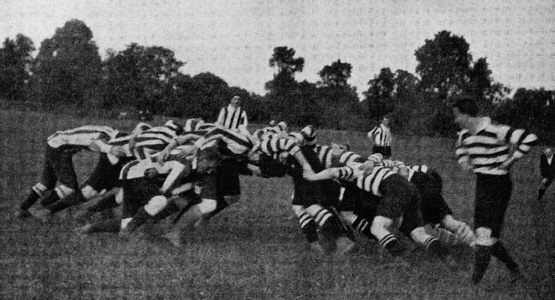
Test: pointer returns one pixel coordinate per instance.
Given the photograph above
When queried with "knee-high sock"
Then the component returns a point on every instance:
(541, 192)
(66, 202)
(482, 256)
(49, 198)
(499, 251)
(103, 204)
(110, 225)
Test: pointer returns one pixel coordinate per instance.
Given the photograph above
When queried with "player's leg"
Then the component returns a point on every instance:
(41, 189)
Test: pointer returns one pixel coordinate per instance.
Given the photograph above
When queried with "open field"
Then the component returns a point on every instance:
(254, 250)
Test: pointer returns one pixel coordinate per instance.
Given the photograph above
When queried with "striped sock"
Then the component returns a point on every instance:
(103, 204)
(391, 244)
(434, 245)
(30, 200)
(308, 227)
(499, 251)
(363, 226)
(49, 198)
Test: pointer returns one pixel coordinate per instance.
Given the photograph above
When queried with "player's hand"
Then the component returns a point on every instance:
(164, 154)
(117, 151)
(367, 167)
(186, 152)
(465, 234)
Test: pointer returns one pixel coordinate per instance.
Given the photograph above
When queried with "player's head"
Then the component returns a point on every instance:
(208, 159)
(547, 151)
(340, 148)
(463, 110)
(236, 101)
(174, 126)
(386, 121)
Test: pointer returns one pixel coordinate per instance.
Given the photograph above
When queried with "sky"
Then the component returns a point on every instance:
(234, 39)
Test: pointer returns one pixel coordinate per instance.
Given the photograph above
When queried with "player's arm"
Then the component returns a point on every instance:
(463, 157)
(178, 171)
(522, 141)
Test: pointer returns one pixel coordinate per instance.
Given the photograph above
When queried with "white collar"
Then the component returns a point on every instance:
(481, 124)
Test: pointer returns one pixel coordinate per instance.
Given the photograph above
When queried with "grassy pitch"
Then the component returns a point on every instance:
(254, 249)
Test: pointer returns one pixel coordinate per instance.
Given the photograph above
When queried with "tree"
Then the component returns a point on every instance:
(15, 64)
(284, 58)
(283, 88)
(335, 75)
(379, 94)
(444, 64)
(141, 77)
(68, 66)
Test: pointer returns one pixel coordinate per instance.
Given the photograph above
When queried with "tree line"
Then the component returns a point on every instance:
(69, 71)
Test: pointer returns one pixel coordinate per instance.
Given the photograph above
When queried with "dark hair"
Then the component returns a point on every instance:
(467, 106)
(210, 153)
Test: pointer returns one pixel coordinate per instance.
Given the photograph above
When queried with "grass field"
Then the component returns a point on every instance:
(253, 250)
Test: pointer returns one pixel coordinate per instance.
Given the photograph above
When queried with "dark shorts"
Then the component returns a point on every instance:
(227, 178)
(136, 193)
(493, 193)
(105, 175)
(383, 150)
(58, 166)
(307, 193)
(397, 195)
(361, 203)
(432, 203)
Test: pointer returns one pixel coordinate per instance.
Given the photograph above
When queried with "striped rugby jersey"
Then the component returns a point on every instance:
(276, 146)
(237, 143)
(232, 118)
(155, 139)
(491, 146)
(367, 182)
(329, 159)
(81, 138)
(270, 131)
(175, 169)
(381, 136)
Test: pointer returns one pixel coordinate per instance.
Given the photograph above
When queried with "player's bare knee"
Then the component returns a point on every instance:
(380, 225)
(119, 197)
(207, 206)
(419, 235)
(89, 192)
(156, 204)
(124, 222)
(299, 210)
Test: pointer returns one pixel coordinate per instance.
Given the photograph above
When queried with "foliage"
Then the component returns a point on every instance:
(140, 77)
(335, 75)
(444, 63)
(68, 67)
(532, 110)
(15, 64)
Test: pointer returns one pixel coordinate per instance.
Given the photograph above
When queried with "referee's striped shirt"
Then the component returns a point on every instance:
(381, 135)
(232, 118)
(491, 146)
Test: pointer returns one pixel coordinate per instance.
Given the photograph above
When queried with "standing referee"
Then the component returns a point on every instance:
(485, 148)
(233, 116)
(381, 137)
